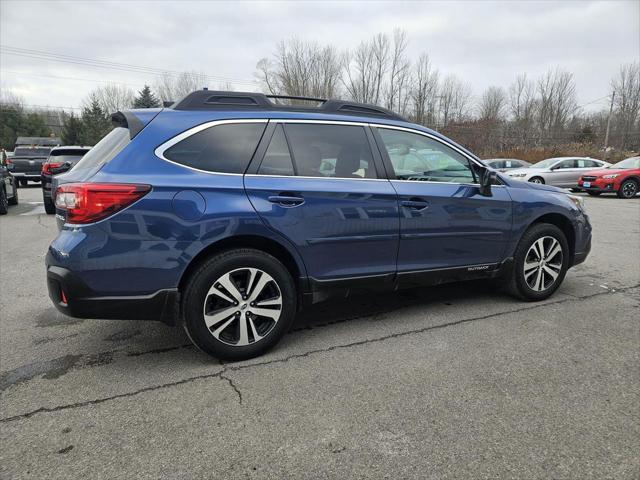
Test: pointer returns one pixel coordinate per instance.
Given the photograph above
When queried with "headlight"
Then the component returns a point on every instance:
(578, 201)
(517, 175)
(613, 175)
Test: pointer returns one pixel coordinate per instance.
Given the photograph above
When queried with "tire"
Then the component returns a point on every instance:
(628, 189)
(14, 200)
(531, 288)
(4, 204)
(211, 288)
(49, 206)
(537, 180)
(23, 182)
(594, 194)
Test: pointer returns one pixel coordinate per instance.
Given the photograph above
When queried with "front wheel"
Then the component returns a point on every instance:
(14, 199)
(4, 204)
(628, 189)
(239, 304)
(540, 263)
(537, 180)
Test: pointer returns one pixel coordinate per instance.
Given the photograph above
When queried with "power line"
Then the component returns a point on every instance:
(90, 62)
(135, 85)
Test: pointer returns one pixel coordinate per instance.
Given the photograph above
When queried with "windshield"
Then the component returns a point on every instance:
(106, 149)
(32, 151)
(633, 162)
(544, 163)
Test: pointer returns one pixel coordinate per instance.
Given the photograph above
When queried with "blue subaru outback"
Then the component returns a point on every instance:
(228, 212)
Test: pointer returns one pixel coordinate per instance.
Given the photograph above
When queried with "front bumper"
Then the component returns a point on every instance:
(599, 186)
(71, 296)
(580, 257)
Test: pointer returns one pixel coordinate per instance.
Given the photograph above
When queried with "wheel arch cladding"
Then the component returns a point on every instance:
(264, 244)
(564, 224)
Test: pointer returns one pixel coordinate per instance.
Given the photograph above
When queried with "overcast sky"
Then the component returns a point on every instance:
(483, 42)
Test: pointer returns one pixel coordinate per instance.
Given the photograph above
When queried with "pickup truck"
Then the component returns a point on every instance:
(28, 163)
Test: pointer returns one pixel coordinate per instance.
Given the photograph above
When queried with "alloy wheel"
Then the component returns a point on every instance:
(629, 189)
(242, 306)
(536, 180)
(543, 263)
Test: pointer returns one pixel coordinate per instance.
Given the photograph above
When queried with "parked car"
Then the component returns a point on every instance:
(28, 163)
(217, 214)
(561, 172)
(505, 164)
(622, 178)
(8, 186)
(60, 160)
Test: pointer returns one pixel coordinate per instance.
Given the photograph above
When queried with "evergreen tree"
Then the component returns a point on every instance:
(72, 130)
(95, 124)
(146, 99)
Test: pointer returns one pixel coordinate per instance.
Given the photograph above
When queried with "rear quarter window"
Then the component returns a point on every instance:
(107, 148)
(225, 148)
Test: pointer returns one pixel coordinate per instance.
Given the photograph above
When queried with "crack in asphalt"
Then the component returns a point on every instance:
(231, 368)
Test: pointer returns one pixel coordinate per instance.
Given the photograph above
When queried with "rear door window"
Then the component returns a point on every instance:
(225, 148)
(323, 150)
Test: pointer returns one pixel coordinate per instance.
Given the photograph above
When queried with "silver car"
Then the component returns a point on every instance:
(560, 172)
(505, 164)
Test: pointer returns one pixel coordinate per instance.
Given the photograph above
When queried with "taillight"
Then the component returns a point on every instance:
(47, 166)
(90, 202)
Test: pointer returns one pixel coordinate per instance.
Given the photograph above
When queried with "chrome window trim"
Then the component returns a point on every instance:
(159, 151)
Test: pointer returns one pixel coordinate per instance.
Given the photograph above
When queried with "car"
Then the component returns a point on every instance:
(622, 178)
(505, 164)
(562, 172)
(28, 162)
(60, 160)
(8, 184)
(227, 213)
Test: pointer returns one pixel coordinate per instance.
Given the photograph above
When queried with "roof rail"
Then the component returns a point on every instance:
(223, 100)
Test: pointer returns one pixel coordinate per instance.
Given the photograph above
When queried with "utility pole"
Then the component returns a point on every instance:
(606, 135)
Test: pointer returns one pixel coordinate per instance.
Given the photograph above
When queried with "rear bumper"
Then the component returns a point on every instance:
(27, 175)
(82, 302)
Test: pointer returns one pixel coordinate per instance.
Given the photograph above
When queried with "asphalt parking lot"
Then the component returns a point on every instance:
(459, 381)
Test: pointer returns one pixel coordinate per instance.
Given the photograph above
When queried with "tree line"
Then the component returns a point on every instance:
(530, 113)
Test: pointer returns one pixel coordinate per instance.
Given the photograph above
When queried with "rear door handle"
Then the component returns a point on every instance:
(415, 203)
(286, 200)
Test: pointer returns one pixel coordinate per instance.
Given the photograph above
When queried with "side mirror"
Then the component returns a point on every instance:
(487, 178)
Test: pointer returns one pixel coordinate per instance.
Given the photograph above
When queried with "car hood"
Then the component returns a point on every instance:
(603, 171)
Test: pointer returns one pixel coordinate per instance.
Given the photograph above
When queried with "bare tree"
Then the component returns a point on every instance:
(492, 104)
(522, 107)
(365, 69)
(424, 91)
(557, 101)
(172, 87)
(455, 98)
(112, 97)
(301, 69)
(626, 87)
(399, 74)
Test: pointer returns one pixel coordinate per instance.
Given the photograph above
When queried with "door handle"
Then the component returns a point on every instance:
(286, 200)
(415, 203)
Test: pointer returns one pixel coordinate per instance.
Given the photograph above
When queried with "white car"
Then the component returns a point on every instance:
(561, 172)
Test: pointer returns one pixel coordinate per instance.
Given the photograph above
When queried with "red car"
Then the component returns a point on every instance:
(622, 178)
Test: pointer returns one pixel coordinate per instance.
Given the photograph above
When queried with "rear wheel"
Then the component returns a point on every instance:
(537, 180)
(23, 182)
(540, 263)
(49, 206)
(239, 304)
(628, 189)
